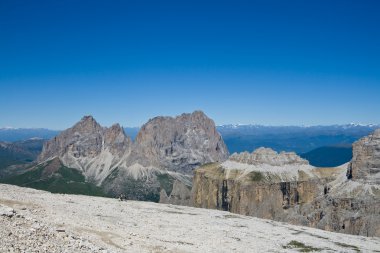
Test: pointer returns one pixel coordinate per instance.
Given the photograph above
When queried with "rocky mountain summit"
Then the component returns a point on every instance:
(180, 144)
(165, 150)
(88, 147)
(286, 188)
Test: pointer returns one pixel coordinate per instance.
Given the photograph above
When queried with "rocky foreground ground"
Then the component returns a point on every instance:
(38, 221)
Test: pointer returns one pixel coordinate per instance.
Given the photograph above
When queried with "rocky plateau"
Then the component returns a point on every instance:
(284, 187)
(37, 221)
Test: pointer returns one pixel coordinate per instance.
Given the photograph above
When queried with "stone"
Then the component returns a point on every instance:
(88, 147)
(284, 187)
(7, 211)
(151, 227)
(365, 164)
(180, 195)
(180, 144)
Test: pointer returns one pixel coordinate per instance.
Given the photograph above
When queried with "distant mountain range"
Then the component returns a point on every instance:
(20, 153)
(321, 145)
(9, 134)
(20, 134)
(300, 139)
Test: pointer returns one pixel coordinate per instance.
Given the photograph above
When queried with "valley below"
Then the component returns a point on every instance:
(39, 221)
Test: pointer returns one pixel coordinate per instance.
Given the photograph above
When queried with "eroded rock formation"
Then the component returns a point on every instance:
(286, 188)
(180, 144)
(89, 147)
(258, 189)
(365, 164)
(166, 150)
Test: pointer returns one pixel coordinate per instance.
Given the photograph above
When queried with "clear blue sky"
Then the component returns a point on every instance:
(267, 62)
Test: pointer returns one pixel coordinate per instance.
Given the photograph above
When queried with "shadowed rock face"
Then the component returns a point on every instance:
(164, 145)
(365, 164)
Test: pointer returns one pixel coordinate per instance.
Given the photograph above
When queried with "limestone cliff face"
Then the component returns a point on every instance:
(263, 183)
(251, 193)
(166, 150)
(358, 215)
(284, 187)
(365, 164)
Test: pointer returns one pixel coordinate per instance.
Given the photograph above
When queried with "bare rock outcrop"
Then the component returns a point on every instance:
(286, 188)
(180, 195)
(365, 164)
(263, 183)
(52, 223)
(84, 139)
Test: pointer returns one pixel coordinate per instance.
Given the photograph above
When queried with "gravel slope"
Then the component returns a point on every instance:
(38, 221)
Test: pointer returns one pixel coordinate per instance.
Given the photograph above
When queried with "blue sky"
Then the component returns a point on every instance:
(267, 62)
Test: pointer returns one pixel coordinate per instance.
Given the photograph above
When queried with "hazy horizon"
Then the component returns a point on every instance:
(216, 124)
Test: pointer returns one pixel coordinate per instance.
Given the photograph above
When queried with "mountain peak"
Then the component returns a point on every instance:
(195, 114)
(199, 113)
(87, 118)
(87, 124)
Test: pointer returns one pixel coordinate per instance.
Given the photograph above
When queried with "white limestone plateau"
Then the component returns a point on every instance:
(285, 165)
(268, 156)
(46, 222)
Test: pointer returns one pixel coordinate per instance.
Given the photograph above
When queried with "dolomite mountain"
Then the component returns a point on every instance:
(166, 150)
(88, 147)
(284, 187)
